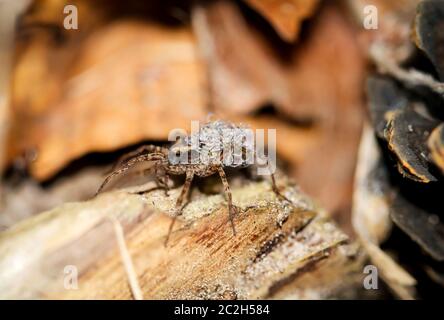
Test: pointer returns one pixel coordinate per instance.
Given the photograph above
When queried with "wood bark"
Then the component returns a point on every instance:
(281, 250)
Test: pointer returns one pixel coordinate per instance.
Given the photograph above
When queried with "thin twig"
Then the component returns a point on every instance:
(126, 259)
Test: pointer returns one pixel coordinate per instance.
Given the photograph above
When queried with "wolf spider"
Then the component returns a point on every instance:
(162, 164)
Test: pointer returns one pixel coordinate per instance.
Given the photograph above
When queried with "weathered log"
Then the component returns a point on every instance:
(280, 250)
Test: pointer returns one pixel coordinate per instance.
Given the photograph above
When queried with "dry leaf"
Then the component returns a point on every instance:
(123, 82)
(394, 20)
(326, 72)
(309, 82)
(306, 81)
(285, 15)
(326, 78)
(94, 102)
(243, 70)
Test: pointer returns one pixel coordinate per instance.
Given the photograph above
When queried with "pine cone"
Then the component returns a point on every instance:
(406, 104)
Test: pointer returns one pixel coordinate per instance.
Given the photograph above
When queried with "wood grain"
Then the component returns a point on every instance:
(280, 250)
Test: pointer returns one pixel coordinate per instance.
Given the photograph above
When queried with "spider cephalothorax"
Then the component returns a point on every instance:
(215, 145)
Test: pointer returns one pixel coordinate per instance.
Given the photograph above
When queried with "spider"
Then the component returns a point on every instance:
(213, 139)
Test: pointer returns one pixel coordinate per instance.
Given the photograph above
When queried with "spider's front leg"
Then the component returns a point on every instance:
(162, 179)
(274, 186)
(130, 163)
(276, 189)
(179, 202)
(146, 149)
(232, 209)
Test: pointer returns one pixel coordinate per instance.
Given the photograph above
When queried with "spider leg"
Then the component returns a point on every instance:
(276, 189)
(128, 164)
(179, 202)
(160, 184)
(166, 178)
(150, 148)
(162, 180)
(227, 191)
(273, 184)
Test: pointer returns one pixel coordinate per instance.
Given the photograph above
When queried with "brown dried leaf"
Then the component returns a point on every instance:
(242, 66)
(285, 15)
(80, 104)
(325, 72)
(394, 25)
(292, 142)
(305, 81)
(118, 89)
(327, 86)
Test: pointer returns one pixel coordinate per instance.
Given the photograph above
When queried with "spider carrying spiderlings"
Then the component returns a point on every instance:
(202, 154)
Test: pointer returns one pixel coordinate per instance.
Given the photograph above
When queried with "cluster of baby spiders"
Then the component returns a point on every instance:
(210, 139)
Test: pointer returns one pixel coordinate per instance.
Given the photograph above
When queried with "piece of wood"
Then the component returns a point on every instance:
(280, 250)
